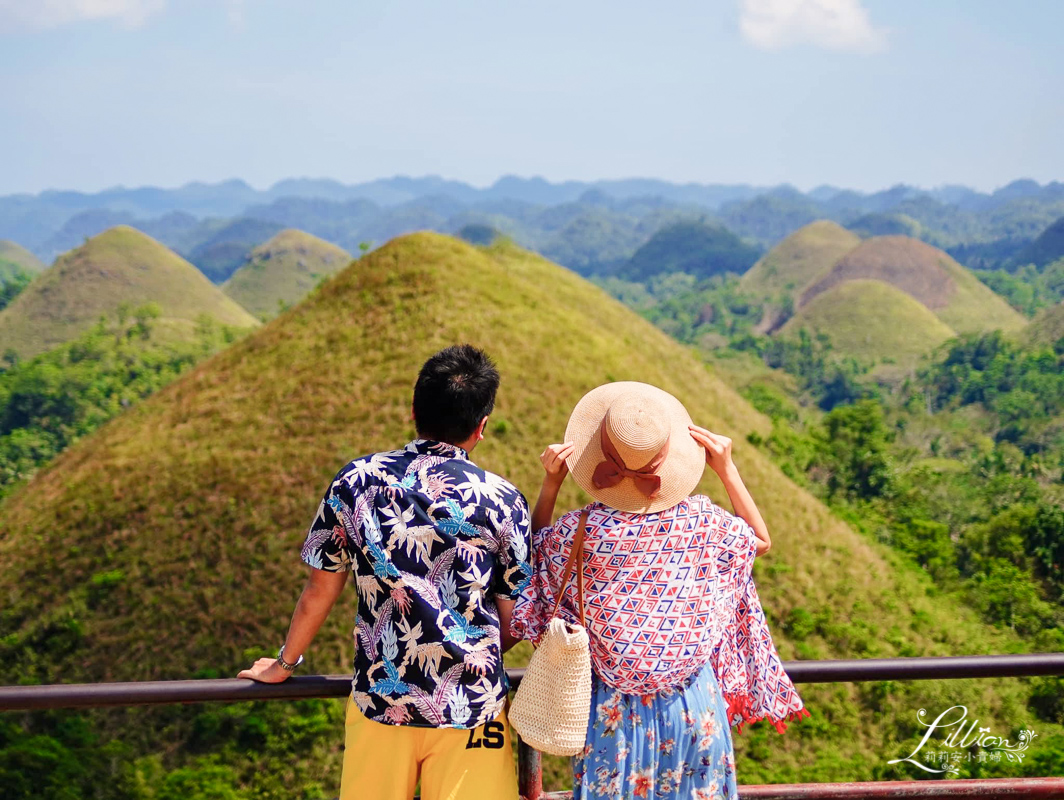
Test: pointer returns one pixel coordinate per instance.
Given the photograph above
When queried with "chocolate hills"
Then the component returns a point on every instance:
(927, 274)
(872, 320)
(14, 258)
(1047, 327)
(119, 267)
(785, 270)
(697, 248)
(1048, 247)
(176, 527)
(282, 271)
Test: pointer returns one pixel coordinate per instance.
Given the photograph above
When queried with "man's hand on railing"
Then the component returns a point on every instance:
(265, 670)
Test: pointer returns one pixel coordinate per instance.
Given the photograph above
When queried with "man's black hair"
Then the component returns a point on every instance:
(455, 390)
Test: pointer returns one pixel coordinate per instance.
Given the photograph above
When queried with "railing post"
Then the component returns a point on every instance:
(529, 772)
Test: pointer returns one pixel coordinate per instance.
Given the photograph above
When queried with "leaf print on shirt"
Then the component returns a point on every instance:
(463, 629)
(429, 587)
(370, 636)
(434, 706)
(392, 683)
(428, 556)
(478, 489)
(457, 523)
(368, 589)
(460, 711)
(382, 565)
(476, 584)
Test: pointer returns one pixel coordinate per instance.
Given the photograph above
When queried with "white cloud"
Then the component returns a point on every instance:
(52, 13)
(831, 24)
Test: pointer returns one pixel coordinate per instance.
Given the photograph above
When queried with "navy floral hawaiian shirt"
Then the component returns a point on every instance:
(432, 540)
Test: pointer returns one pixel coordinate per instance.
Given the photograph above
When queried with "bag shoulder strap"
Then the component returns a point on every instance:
(575, 552)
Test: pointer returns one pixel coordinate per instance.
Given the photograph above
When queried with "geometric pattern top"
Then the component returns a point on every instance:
(665, 594)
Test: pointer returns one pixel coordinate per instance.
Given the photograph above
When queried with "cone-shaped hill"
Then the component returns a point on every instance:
(120, 266)
(871, 320)
(1047, 327)
(168, 541)
(282, 271)
(698, 248)
(799, 259)
(15, 258)
(928, 274)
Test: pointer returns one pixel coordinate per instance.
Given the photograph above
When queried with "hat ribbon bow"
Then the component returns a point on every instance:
(612, 470)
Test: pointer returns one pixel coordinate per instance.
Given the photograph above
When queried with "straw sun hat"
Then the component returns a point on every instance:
(632, 447)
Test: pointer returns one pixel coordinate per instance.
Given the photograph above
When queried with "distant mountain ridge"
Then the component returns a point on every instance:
(589, 226)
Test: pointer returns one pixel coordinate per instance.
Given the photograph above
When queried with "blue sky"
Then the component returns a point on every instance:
(855, 93)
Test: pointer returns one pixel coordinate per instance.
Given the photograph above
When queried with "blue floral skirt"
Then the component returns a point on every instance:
(676, 745)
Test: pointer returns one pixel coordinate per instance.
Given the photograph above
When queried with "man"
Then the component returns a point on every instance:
(439, 548)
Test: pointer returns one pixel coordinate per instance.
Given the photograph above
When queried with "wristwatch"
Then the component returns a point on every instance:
(284, 664)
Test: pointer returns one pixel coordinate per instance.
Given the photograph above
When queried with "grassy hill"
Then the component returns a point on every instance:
(121, 266)
(926, 273)
(1048, 247)
(176, 527)
(697, 248)
(14, 259)
(871, 320)
(282, 271)
(219, 247)
(1047, 327)
(785, 270)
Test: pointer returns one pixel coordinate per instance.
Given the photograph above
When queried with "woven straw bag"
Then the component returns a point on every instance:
(551, 707)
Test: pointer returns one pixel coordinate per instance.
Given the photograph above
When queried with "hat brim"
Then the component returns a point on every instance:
(680, 472)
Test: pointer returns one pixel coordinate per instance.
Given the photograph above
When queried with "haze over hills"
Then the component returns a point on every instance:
(1048, 247)
(281, 272)
(14, 259)
(121, 266)
(192, 508)
(697, 248)
(927, 274)
(591, 227)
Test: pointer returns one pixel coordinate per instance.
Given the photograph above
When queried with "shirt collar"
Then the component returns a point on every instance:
(431, 447)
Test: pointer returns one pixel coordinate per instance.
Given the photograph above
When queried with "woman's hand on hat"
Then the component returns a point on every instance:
(718, 448)
(553, 461)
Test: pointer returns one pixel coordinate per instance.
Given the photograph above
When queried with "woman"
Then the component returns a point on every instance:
(680, 649)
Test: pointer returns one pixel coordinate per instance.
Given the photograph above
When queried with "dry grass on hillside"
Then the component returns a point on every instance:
(801, 257)
(280, 272)
(927, 274)
(871, 320)
(119, 266)
(201, 495)
(16, 257)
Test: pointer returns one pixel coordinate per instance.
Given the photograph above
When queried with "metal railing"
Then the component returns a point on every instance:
(91, 695)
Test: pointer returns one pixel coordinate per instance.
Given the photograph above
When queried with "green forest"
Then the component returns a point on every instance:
(949, 459)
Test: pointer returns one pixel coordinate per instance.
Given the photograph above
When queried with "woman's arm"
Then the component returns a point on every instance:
(719, 458)
(553, 460)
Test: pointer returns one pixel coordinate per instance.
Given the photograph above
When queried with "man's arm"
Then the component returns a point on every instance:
(319, 596)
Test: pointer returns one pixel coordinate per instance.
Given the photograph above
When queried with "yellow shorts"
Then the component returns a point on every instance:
(385, 762)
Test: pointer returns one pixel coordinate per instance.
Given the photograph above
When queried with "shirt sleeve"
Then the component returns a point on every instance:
(329, 545)
(516, 571)
(532, 611)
